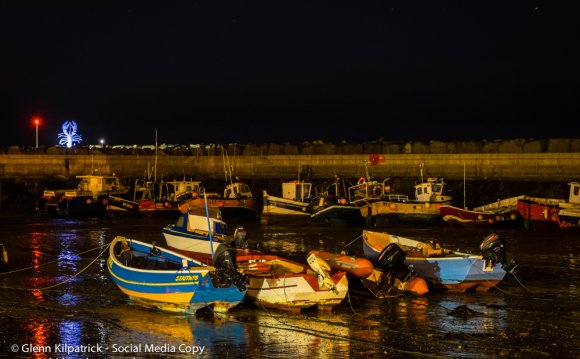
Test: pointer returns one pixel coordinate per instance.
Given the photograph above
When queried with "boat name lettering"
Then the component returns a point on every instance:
(183, 278)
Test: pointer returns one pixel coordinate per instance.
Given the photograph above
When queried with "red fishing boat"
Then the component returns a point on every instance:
(500, 212)
(538, 211)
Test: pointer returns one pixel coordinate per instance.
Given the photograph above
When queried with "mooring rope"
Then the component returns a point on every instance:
(351, 242)
(51, 262)
(64, 281)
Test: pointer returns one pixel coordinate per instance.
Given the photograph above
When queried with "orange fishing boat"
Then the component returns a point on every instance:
(391, 277)
(358, 267)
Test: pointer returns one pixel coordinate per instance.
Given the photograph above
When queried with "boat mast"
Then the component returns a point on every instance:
(464, 206)
(155, 167)
(208, 223)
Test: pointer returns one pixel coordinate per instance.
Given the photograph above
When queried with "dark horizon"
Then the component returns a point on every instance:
(203, 73)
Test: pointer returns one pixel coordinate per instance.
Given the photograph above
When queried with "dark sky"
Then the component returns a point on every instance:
(277, 71)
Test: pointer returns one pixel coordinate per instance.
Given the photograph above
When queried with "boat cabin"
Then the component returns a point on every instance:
(431, 191)
(96, 185)
(164, 191)
(237, 190)
(297, 191)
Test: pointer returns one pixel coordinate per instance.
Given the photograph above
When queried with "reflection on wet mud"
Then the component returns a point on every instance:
(82, 306)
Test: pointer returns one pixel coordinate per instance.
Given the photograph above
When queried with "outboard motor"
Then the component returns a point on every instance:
(224, 260)
(239, 240)
(392, 260)
(493, 250)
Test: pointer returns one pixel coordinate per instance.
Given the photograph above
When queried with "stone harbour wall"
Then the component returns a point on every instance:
(501, 160)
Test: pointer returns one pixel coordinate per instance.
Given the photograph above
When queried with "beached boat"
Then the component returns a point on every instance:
(569, 213)
(390, 277)
(445, 269)
(163, 196)
(333, 208)
(90, 198)
(281, 283)
(500, 212)
(164, 279)
(396, 208)
(539, 211)
(291, 208)
(190, 232)
(236, 204)
(274, 282)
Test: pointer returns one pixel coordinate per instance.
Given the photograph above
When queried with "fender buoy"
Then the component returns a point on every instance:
(361, 181)
(89, 201)
(427, 204)
(393, 206)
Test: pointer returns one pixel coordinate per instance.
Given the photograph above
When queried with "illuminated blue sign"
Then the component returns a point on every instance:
(69, 136)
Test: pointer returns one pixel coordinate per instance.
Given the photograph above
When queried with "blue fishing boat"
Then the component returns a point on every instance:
(445, 269)
(170, 281)
(190, 232)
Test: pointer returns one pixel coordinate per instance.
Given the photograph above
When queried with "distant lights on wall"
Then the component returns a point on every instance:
(69, 136)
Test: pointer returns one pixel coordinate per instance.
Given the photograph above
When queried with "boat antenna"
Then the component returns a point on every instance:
(155, 168)
(208, 223)
(227, 167)
(367, 170)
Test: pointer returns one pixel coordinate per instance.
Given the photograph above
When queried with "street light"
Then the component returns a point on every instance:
(36, 122)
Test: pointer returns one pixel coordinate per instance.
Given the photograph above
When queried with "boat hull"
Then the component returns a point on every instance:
(535, 212)
(380, 213)
(569, 217)
(280, 283)
(155, 279)
(338, 215)
(448, 272)
(243, 209)
(460, 216)
(278, 210)
(193, 244)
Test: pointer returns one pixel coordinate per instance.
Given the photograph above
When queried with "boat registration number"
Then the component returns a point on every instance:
(184, 278)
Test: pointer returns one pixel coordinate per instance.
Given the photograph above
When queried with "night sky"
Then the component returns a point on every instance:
(203, 72)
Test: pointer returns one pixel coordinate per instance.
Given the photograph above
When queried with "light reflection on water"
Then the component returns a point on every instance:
(70, 332)
(40, 332)
(321, 336)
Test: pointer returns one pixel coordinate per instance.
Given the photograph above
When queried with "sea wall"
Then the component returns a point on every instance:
(502, 160)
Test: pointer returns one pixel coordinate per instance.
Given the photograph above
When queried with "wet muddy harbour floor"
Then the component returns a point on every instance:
(80, 313)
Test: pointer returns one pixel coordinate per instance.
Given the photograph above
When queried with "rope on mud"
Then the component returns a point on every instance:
(350, 303)
(66, 280)
(520, 283)
(51, 262)
(351, 242)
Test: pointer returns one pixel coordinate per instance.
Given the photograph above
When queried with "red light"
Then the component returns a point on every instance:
(36, 120)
